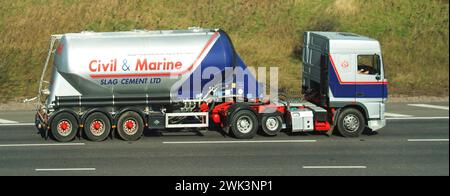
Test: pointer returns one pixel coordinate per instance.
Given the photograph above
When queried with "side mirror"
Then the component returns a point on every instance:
(378, 77)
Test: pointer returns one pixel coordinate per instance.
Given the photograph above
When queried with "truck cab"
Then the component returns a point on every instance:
(345, 71)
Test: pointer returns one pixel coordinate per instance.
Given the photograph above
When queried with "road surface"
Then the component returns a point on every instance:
(415, 142)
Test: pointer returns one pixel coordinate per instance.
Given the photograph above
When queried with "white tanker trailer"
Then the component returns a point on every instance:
(123, 82)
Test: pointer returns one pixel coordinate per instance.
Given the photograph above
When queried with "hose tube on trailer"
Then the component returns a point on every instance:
(80, 101)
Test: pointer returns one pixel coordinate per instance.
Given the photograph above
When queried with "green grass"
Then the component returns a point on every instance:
(414, 34)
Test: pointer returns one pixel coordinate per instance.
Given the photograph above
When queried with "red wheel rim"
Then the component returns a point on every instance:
(64, 127)
(97, 127)
(130, 126)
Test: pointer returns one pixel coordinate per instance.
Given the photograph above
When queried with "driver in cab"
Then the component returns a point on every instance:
(363, 71)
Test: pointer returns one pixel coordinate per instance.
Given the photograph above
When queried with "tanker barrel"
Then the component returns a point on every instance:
(133, 75)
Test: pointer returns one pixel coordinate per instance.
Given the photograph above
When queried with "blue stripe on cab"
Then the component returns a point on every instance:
(349, 90)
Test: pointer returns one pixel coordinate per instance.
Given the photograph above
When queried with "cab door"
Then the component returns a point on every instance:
(370, 85)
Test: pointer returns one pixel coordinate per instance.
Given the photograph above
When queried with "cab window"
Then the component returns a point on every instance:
(369, 64)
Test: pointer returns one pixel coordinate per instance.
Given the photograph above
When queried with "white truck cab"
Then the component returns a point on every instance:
(345, 70)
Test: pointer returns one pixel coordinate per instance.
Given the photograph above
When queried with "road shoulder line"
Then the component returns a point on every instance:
(430, 106)
(4, 121)
(65, 169)
(41, 145)
(428, 140)
(233, 142)
(334, 167)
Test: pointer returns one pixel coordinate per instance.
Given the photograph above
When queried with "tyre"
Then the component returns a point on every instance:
(64, 127)
(244, 124)
(351, 123)
(97, 127)
(271, 124)
(130, 126)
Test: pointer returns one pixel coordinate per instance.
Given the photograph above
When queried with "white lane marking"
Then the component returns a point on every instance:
(17, 124)
(38, 145)
(427, 140)
(420, 118)
(65, 169)
(429, 106)
(396, 115)
(334, 167)
(4, 121)
(232, 142)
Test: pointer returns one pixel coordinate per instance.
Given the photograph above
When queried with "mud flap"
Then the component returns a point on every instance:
(330, 132)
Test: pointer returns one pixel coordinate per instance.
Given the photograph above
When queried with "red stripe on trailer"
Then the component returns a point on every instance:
(165, 74)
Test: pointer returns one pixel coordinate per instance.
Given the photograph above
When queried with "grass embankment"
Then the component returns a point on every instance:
(414, 34)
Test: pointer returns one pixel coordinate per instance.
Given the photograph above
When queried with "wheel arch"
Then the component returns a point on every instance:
(234, 108)
(277, 113)
(360, 107)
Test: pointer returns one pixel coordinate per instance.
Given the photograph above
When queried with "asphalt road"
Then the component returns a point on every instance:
(413, 143)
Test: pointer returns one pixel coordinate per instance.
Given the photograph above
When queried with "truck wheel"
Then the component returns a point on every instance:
(244, 124)
(351, 123)
(130, 126)
(271, 124)
(97, 127)
(64, 127)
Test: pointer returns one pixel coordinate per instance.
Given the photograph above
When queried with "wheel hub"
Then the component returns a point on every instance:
(130, 127)
(97, 127)
(129, 124)
(244, 124)
(64, 128)
(351, 123)
(272, 124)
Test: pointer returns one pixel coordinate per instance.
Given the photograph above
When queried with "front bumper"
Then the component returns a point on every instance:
(376, 124)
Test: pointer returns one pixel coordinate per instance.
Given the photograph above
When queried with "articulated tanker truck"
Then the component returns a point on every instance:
(120, 83)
